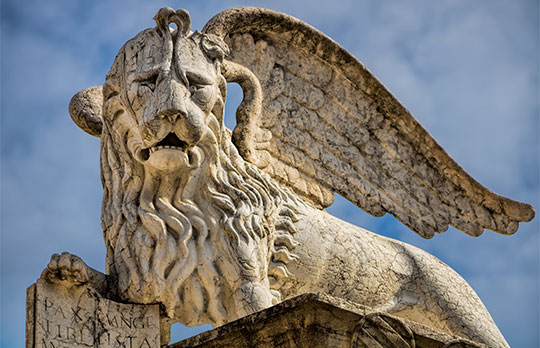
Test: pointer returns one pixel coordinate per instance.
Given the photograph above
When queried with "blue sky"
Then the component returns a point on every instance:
(468, 71)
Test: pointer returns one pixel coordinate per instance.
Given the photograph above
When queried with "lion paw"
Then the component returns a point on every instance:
(66, 269)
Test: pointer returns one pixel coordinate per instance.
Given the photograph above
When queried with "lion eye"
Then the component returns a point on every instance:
(196, 81)
(150, 82)
(194, 88)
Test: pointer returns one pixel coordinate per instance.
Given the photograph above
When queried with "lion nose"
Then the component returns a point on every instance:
(172, 115)
(173, 95)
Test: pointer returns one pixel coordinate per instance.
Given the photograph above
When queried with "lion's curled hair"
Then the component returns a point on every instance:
(224, 216)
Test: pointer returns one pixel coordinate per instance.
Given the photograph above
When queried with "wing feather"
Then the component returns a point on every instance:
(336, 128)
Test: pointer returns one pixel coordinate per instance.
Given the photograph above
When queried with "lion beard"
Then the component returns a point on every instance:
(186, 243)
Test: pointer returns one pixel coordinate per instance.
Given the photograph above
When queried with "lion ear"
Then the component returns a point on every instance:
(86, 108)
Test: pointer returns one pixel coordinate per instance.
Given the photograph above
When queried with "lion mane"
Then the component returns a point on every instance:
(187, 245)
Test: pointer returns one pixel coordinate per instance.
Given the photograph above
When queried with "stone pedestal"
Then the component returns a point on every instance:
(78, 316)
(314, 321)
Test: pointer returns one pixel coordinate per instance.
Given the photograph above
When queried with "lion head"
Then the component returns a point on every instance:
(187, 222)
(167, 85)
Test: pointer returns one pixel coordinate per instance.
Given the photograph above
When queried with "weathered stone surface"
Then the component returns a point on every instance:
(204, 221)
(62, 317)
(313, 321)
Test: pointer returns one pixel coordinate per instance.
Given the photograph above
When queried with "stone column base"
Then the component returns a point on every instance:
(314, 321)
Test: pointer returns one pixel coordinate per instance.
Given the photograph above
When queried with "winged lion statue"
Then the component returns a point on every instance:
(216, 224)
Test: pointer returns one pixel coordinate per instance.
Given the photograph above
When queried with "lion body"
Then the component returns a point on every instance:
(210, 237)
(390, 276)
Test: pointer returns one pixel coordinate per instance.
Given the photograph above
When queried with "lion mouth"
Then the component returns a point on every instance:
(171, 141)
(170, 153)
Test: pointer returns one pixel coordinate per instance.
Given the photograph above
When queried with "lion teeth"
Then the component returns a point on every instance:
(161, 147)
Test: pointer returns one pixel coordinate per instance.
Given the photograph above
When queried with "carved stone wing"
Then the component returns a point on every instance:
(328, 125)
